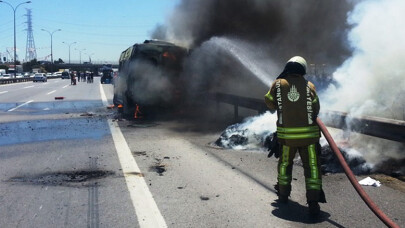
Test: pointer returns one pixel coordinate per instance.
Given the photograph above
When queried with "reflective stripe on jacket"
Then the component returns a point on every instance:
(297, 105)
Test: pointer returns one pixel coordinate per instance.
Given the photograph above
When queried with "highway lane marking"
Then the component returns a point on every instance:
(51, 92)
(10, 110)
(28, 87)
(65, 86)
(3, 92)
(146, 210)
(14, 84)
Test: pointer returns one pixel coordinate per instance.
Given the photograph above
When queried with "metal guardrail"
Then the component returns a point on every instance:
(26, 79)
(379, 127)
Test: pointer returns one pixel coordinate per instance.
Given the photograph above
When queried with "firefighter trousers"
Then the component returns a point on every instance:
(310, 157)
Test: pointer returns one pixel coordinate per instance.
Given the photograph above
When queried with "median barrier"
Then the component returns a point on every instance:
(374, 126)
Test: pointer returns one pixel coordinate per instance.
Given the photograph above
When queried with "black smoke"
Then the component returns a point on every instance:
(312, 28)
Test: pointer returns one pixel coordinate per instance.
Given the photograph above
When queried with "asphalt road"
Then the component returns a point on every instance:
(65, 163)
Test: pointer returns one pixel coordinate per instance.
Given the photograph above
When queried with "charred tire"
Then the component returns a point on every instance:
(129, 106)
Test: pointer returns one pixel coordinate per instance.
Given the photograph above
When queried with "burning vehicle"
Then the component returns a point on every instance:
(149, 77)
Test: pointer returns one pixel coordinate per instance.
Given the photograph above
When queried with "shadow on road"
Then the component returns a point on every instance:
(296, 212)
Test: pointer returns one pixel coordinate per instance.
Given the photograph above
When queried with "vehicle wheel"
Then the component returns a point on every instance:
(129, 106)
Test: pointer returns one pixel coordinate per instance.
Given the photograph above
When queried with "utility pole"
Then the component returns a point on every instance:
(80, 51)
(69, 48)
(15, 39)
(51, 34)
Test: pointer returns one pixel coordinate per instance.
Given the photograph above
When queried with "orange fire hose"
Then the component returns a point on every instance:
(373, 207)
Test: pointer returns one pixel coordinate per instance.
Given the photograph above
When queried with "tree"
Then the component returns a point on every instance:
(28, 66)
(4, 67)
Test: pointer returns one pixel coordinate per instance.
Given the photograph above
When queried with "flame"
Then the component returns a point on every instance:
(169, 55)
(137, 112)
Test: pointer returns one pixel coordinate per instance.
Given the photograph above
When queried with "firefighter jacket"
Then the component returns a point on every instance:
(297, 105)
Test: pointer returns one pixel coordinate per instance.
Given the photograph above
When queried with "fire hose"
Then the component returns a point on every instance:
(364, 196)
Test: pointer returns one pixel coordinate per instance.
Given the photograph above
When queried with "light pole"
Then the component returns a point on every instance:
(80, 51)
(69, 48)
(51, 34)
(15, 40)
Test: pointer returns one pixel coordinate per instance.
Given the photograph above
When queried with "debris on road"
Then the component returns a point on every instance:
(139, 153)
(159, 167)
(368, 181)
(87, 114)
(204, 198)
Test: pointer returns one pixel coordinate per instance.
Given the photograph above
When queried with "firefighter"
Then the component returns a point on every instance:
(297, 105)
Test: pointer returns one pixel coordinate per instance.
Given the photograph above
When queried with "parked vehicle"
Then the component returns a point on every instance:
(40, 77)
(6, 76)
(65, 75)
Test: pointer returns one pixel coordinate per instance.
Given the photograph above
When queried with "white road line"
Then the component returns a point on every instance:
(103, 97)
(51, 92)
(15, 84)
(10, 110)
(46, 109)
(3, 92)
(65, 86)
(146, 210)
(28, 87)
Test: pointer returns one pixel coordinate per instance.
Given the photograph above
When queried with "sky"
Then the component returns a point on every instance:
(103, 28)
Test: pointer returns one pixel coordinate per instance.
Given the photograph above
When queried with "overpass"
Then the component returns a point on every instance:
(83, 66)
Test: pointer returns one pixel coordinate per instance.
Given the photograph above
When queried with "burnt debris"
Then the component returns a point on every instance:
(70, 178)
(235, 138)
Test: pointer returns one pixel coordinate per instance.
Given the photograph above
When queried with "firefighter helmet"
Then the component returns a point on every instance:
(301, 61)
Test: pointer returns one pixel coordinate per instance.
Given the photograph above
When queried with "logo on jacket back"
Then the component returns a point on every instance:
(293, 95)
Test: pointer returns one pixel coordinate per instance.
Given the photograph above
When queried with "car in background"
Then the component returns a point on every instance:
(65, 75)
(40, 77)
(6, 76)
(107, 76)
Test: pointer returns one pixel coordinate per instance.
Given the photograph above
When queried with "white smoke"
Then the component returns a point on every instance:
(372, 81)
(250, 134)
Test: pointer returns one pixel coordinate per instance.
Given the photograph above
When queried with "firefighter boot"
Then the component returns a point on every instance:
(282, 199)
(314, 208)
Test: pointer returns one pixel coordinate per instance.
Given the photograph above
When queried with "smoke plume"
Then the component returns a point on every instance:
(232, 40)
(314, 29)
(372, 81)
